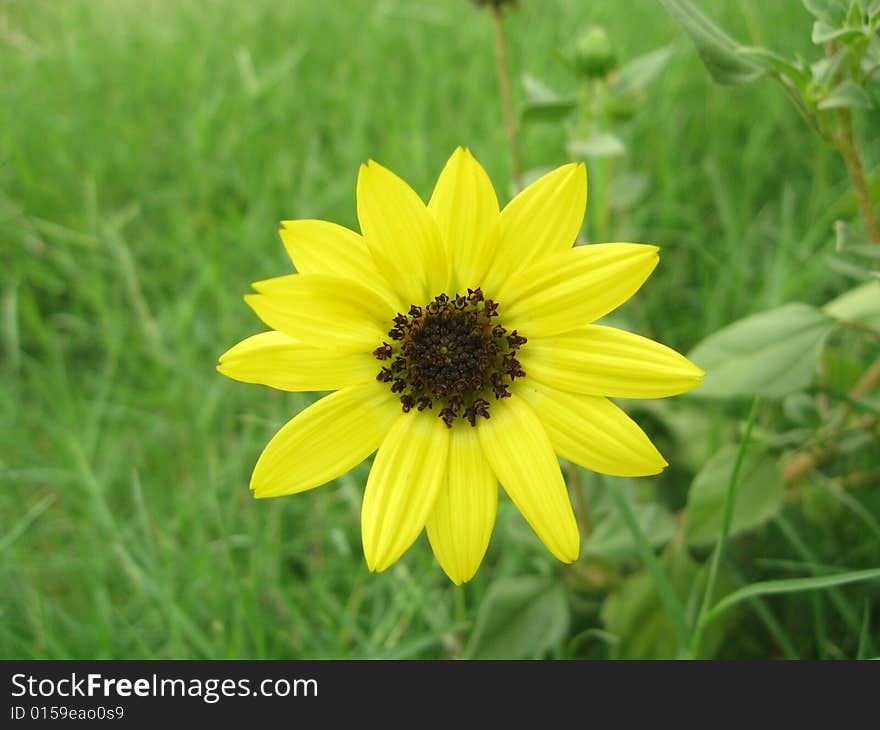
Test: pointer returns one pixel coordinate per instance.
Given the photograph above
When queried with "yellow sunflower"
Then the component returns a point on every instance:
(458, 340)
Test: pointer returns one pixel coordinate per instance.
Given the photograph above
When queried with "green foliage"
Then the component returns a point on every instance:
(759, 496)
(150, 149)
(611, 538)
(861, 304)
(640, 71)
(635, 615)
(544, 104)
(606, 97)
(840, 80)
(846, 95)
(791, 585)
(831, 12)
(520, 618)
(596, 144)
(772, 353)
(719, 52)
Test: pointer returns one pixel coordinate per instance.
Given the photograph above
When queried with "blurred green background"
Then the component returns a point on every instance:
(148, 151)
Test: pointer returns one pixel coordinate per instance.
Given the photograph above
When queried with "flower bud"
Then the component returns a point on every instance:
(592, 54)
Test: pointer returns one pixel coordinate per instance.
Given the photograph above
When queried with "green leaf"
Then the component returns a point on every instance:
(867, 250)
(547, 111)
(855, 17)
(542, 103)
(799, 73)
(717, 49)
(520, 618)
(772, 353)
(640, 71)
(851, 270)
(846, 94)
(635, 614)
(627, 189)
(826, 69)
(759, 495)
(597, 144)
(832, 12)
(822, 33)
(612, 539)
(861, 304)
(791, 585)
(666, 593)
(537, 90)
(801, 410)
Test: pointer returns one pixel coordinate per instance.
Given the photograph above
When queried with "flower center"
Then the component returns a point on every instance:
(451, 353)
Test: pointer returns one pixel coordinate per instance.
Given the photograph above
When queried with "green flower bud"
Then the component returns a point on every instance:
(592, 54)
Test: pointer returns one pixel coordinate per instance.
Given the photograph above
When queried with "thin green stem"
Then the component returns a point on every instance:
(794, 95)
(726, 521)
(504, 92)
(664, 588)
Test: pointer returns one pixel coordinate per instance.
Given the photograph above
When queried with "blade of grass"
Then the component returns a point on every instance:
(864, 637)
(789, 585)
(726, 520)
(774, 628)
(851, 503)
(843, 608)
(652, 565)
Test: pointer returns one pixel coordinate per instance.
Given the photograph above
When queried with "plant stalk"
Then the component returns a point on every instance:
(847, 148)
(504, 92)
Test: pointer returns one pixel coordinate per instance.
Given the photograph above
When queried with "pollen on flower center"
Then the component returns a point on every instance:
(451, 353)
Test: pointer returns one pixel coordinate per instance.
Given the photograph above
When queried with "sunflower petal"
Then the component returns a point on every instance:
(325, 440)
(323, 311)
(465, 207)
(598, 360)
(519, 451)
(461, 521)
(279, 361)
(407, 474)
(575, 287)
(321, 247)
(542, 220)
(401, 234)
(592, 431)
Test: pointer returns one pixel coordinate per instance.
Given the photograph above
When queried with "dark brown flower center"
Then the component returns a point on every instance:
(451, 353)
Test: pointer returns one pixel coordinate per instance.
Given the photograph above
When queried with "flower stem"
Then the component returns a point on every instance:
(504, 91)
(847, 148)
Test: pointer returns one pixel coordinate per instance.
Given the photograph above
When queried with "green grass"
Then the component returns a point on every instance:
(148, 151)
